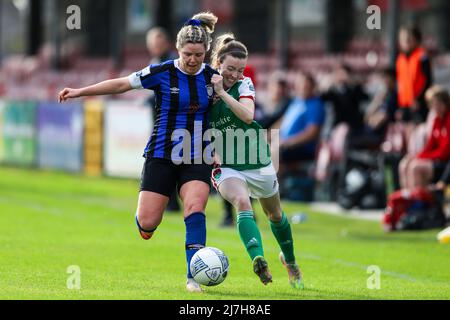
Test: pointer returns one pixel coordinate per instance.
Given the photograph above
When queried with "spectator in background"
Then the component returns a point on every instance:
(300, 126)
(444, 180)
(346, 96)
(278, 100)
(381, 110)
(414, 77)
(444, 235)
(429, 164)
(159, 46)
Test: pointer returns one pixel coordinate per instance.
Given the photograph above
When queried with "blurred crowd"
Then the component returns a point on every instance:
(357, 147)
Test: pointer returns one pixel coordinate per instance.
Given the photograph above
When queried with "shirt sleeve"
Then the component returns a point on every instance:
(441, 153)
(361, 93)
(316, 114)
(143, 79)
(425, 65)
(328, 96)
(246, 89)
(437, 148)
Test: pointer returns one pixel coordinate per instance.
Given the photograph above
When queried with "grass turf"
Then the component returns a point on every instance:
(51, 220)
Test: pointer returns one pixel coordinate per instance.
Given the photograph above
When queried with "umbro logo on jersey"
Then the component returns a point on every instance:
(174, 90)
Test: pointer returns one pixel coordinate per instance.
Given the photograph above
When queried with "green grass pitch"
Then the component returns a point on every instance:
(50, 221)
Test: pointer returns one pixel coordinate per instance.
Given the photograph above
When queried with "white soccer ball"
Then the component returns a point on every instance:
(444, 235)
(209, 266)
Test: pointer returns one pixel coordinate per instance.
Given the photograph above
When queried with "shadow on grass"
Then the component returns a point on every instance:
(305, 294)
(426, 236)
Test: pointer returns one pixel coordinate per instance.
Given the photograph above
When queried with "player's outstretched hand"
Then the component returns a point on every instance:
(68, 93)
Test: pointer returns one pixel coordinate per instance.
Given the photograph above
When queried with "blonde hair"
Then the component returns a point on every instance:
(439, 93)
(226, 44)
(197, 30)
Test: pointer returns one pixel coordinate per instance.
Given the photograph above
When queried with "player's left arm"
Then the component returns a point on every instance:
(311, 133)
(244, 109)
(316, 118)
(112, 86)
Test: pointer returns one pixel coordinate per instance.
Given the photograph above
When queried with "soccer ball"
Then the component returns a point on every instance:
(209, 266)
(444, 235)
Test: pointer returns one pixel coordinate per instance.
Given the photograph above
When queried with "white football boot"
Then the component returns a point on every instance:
(193, 286)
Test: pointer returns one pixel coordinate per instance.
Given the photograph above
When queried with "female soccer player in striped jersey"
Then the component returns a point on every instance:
(184, 95)
(239, 177)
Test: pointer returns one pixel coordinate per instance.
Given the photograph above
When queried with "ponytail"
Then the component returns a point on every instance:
(225, 45)
(197, 30)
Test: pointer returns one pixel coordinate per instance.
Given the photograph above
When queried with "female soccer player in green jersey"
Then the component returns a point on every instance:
(244, 157)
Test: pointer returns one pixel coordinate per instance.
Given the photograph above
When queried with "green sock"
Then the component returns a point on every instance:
(282, 232)
(249, 233)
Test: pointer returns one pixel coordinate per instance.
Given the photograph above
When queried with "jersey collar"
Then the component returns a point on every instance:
(176, 63)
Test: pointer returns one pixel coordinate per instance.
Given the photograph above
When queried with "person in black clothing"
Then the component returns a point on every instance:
(440, 187)
(345, 97)
(444, 180)
(380, 113)
(382, 108)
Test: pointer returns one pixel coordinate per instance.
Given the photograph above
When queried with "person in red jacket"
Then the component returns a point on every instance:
(429, 164)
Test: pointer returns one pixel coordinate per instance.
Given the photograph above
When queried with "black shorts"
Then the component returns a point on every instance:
(162, 175)
(295, 155)
(407, 115)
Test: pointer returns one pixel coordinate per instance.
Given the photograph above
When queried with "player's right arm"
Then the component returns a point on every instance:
(112, 86)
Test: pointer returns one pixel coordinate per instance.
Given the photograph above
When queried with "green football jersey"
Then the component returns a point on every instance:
(239, 145)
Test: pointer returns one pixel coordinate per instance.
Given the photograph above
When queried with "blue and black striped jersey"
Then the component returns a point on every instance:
(181, 111)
